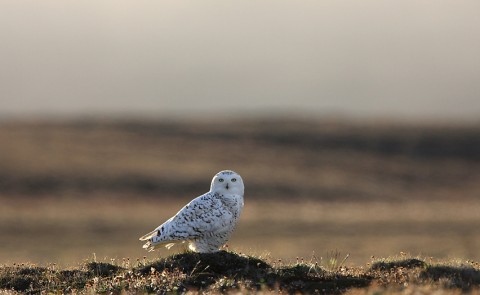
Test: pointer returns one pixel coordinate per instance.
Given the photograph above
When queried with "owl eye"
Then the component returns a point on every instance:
(220, 179)
(234, 179)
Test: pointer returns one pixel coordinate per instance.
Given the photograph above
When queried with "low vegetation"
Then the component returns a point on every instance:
(363, 187)
(231, 272)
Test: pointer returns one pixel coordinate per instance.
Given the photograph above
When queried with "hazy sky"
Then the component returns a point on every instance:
(406, 58)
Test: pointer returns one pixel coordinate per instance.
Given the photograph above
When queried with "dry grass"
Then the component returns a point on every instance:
(230, 272)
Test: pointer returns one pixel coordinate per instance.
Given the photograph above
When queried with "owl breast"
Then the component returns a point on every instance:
(234, 204)
(211, 242)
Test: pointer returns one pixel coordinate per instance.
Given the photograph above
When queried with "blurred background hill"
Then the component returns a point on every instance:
(70, 189)
(354, 124)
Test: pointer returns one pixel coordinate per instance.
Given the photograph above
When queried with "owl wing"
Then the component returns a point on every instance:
(202, 215)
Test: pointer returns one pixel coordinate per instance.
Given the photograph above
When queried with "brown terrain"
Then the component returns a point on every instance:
(71, 190)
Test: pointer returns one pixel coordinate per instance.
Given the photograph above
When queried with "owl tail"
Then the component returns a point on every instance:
(154, 241)
(149, 235)
(150, 246)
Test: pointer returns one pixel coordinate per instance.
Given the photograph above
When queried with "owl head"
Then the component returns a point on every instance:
(227, 182)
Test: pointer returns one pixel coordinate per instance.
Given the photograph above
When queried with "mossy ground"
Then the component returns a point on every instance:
(229, 271)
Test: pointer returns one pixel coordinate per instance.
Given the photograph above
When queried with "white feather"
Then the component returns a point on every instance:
(207, 221)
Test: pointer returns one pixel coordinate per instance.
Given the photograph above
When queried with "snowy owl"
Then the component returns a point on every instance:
(207, 221)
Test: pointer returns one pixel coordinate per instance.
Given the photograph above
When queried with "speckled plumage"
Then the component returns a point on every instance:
(207, 221)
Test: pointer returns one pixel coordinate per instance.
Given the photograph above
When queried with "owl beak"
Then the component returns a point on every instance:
(227, 186)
